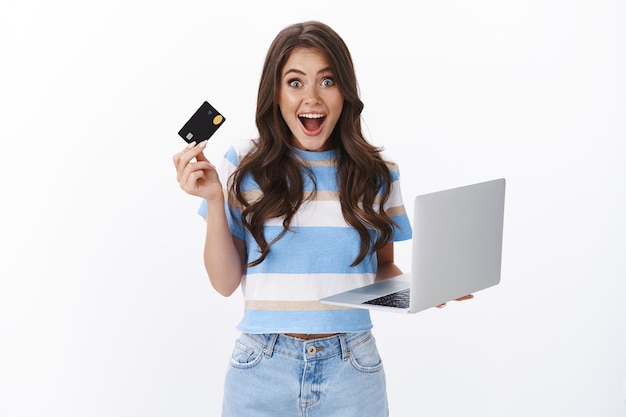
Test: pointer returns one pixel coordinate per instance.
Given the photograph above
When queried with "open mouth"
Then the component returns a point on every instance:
(312, 122)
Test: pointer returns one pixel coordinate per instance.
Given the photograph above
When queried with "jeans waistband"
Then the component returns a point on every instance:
(309, 350)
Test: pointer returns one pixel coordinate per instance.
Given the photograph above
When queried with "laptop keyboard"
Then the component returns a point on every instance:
(398, 299)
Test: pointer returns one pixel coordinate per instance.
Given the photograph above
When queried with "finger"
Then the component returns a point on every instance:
(190, 185)
(189, 146)
(176, 158)
(200, 156)
(189, 153)
(179, 154)
(193, 172)
(441, 305)
(465, 297)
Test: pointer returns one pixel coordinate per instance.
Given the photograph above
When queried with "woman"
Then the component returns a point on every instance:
(311, 209)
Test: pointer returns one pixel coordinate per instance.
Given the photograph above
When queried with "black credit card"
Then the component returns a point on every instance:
(202, 125)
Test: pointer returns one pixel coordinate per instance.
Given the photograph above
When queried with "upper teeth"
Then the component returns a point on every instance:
(312, 115)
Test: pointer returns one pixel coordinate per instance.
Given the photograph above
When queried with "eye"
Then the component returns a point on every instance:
(327, 82)
(294, 83)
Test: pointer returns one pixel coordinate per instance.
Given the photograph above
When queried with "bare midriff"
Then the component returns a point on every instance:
(310, 336)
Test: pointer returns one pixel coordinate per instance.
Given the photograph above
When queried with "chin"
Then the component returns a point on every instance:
(315, 148)
(313, 145)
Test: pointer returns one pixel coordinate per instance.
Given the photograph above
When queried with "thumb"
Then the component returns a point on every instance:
(200, 156)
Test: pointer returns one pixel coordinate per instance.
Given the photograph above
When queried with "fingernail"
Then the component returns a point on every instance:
(203, 144)
(191, 145)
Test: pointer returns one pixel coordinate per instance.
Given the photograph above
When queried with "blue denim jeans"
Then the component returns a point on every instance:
(281, 376)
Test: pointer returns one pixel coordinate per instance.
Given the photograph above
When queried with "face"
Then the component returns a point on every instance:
(309, 99)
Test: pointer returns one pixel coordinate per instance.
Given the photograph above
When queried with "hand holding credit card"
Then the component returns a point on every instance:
(202, 125)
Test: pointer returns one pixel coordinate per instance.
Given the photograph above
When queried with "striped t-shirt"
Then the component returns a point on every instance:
(312, 260)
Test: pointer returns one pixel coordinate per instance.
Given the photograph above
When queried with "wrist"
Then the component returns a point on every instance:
(215, 201)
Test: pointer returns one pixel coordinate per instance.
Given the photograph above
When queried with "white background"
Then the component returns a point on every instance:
(105, 309)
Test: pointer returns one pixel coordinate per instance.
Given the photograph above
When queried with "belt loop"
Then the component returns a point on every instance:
(269, 349)
(344, 346)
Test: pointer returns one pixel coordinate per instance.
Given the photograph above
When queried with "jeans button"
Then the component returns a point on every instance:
(311, 350)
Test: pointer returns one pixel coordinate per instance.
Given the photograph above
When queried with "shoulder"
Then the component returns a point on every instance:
(239, 150)
(392, 165)
(233, 157)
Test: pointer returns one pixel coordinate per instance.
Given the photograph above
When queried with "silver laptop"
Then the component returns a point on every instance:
(456, 251)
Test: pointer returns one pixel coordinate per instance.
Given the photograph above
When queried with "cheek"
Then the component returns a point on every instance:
(337, 106)
(334, 99)
(285, 112)
(287, 103)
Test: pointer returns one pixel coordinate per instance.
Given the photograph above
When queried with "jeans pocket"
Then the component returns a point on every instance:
(246, 354)
(365, 357)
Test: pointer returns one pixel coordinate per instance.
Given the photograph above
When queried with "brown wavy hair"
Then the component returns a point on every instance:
(362, 173)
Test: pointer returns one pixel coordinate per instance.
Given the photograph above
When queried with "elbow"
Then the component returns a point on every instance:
(225, 289)
(224, 292)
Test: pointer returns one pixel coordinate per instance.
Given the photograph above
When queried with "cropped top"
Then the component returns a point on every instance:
(312, 260)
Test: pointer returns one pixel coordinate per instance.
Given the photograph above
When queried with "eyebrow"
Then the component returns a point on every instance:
(297, 71)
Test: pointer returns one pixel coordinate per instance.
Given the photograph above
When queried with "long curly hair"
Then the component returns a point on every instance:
(364, 178)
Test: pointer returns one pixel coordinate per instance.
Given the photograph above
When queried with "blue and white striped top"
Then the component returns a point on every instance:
(309, 262)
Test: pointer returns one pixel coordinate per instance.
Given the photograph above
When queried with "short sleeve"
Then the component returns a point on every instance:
(395, 207)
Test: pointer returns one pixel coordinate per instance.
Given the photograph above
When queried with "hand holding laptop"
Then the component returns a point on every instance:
(465, 297)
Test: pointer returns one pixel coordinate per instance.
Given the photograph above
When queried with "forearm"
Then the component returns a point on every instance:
(387, 270)
(222, 258)
(386, 265)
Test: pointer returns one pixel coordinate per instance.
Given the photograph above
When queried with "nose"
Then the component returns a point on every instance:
(312, 96)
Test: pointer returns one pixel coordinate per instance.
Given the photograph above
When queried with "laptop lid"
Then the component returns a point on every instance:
(456, 250)
(458, 245)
